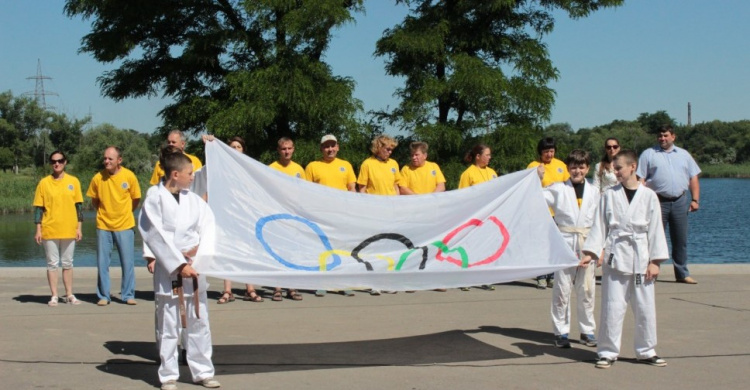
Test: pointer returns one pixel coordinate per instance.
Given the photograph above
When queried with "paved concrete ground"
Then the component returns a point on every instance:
(427, 340)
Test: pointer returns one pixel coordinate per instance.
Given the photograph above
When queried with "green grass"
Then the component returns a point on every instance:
(726, 170)
(17, 191)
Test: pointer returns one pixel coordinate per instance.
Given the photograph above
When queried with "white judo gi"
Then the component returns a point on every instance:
(631, 235)
(574, 224)
(170, 228)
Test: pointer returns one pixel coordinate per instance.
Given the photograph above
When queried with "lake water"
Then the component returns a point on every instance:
(717, 232)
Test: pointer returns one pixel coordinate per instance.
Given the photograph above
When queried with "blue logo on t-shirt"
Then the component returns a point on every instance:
(70, 187)
(559, 170)
(434, 173)
(342, 169)
(124, 185)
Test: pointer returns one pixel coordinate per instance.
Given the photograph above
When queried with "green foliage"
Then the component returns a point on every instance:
(247, 68)
(134, 146)
(472, 64)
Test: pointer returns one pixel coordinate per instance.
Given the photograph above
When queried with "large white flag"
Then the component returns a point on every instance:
(277, 230)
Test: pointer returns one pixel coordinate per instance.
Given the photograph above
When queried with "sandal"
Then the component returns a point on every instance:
(293, 295)
(53, 301)
(226, 297)
(277, 296)
(71, 299)
(252, 296)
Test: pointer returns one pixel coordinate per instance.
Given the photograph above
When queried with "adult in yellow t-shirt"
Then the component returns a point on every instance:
(285, 165)
(115, 193)
(420, 176)
(331, 171)
(478, 172)
(554, 171)
(379, 174)
(175, 138)
(58, 217)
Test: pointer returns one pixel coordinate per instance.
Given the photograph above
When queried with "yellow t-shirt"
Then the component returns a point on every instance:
(159, 172)
(474, 175)
(379, 177)
(422, 180)
(58, 198)
(555, 171)
(115, 194)
(293, 169)
(336, 174)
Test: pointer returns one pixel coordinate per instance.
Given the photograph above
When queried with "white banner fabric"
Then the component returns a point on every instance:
(277, 230)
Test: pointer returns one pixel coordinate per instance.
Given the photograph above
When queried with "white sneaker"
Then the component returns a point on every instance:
(210, 383)
(169, 385)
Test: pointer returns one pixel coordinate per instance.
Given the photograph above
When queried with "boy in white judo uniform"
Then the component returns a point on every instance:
(628, 228)
(173, 223)
(574, 203)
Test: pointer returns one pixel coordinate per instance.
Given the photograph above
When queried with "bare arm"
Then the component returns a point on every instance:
(440, 187)
(351, 187)
(405, 191)
(695, 192)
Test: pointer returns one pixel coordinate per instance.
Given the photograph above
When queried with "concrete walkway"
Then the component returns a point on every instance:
(427, 340)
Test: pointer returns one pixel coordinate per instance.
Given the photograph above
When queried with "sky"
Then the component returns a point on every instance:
(646, 56)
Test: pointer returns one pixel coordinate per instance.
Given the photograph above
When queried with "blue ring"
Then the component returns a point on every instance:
(315, 228)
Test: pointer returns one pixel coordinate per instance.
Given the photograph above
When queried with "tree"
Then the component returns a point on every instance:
(471, 65)
(252, 68)
(22, 123)
(65, 133)
(652, 122)
(134, 147)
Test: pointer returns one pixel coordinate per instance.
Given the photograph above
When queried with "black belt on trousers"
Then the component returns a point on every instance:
(668, 199)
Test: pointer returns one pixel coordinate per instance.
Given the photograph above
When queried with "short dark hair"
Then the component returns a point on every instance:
(544, 144)
(418, 145)
(629, 155)
(666, 128)
(578, 157)
(173, 159)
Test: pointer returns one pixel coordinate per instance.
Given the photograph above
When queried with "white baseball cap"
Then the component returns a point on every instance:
(328, 137)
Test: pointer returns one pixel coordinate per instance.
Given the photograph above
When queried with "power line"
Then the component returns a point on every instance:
(40, 94)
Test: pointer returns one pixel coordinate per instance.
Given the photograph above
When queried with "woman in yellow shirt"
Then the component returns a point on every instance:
(478, 172)
(57, 215)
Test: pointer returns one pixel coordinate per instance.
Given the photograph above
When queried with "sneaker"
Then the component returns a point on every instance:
(588, 340)
(653, 361)
(550, 283)
(348, 293)
(541, 284)
(53, 301)
(131, 302)
(71, 299)
(687, 280)
(169, 385)
(374, 292)
(604, 362)
(465, 288)
(488, 287)
(102, 302)
(210, 383)
(561, 341)
(320, 293)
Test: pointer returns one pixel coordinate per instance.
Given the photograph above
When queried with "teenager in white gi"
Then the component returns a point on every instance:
(173, 223)
(628, 228)
(574, 203)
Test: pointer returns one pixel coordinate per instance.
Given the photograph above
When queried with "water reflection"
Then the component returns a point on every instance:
(18, 249)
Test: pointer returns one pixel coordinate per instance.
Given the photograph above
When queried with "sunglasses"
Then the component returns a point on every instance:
(59, 161)
(610, 147)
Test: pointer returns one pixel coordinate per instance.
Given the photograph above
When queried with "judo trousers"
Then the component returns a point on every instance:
(197, 336)
(619, 290)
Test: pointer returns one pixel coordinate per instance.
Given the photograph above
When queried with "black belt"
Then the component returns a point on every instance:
(668, 199)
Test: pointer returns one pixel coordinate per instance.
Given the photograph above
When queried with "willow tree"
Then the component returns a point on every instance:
(235, 67)
(472, 66)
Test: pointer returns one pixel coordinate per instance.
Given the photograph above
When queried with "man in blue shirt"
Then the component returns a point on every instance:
(671, 172)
